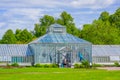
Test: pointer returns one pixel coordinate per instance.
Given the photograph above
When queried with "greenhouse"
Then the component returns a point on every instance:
(15, 53)
(59, 47)
(105, 54)
(56, 46)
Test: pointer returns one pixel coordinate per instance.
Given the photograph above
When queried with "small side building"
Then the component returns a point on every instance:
(15, 53)
(105, 54)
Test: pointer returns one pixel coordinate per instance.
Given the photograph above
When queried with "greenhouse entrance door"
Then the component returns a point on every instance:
(65, 57)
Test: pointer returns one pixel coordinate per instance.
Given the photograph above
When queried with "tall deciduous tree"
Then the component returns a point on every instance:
(115, 18)
(105, 30)
(104, 16)
(68, 21)
(9, 37)
(25, 36)
(40, 28)
(17, 34)
(47, 20)
(65, 19)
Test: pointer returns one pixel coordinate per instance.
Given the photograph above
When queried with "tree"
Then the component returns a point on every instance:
(47, 20)
(0, 41)
(17, 34)
(67, 20)
(37, 31)
(25, 36)
(115, 18)
(104, 16)
(8, 37)
(103, 30)
(40, 28)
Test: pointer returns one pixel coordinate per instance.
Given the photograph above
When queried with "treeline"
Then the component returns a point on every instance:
(25, 36)
(104, 30)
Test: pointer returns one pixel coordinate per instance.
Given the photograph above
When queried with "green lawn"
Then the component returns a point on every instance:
(57, 74)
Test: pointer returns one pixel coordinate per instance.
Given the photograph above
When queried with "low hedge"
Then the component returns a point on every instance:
(15, 65)
(116, 64)
(46, 65)
(79, 66)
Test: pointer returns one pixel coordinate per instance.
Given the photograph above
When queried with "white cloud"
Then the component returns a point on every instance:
(86, 12)
(25, 13)
(19, 18)
(2, 24)
(94, 4)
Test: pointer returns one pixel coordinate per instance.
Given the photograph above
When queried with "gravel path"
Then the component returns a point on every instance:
(109, 68)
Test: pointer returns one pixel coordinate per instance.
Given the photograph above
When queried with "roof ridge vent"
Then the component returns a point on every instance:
(56, 28)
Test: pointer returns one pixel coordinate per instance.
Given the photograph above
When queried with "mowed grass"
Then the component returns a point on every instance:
(57, 74)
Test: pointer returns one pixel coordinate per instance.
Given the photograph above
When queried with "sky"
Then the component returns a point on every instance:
(23, 14)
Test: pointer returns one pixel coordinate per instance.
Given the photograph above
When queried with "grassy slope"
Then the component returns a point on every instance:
(57, 74)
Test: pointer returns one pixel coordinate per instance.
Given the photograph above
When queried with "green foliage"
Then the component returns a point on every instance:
(85, 63)
(96, 65)
(0, 41)
(8, 37)
(65, 19)
(116, 64)
(115, 18)
(38, 65)
(46, 65)
(39, 30)
(47, 20)
(79, 66)
(104, 16)
(17, 34)
(25, 36)
(68, 21)
(76, 65)
(53, 65)
(105, 30)
(15, 65)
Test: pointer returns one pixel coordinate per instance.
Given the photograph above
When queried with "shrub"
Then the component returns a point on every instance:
(46, 66)
(86, 64)
(38, 65)
(79, 66)
(116, 64)
(82, 66)
(15, 65)
(96, 65)
(76, 65)
(53, 66)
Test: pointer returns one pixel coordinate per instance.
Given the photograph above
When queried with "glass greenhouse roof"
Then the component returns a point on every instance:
(105, 50)
(14, 50)
(56, 25)
(57, 34)
(59, 38)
